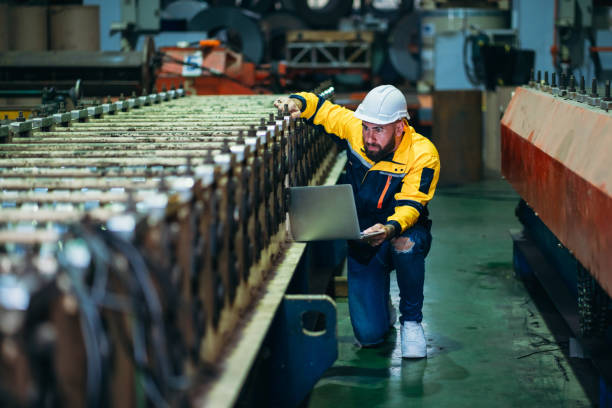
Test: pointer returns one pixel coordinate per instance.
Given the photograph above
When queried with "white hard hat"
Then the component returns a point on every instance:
(383, 104)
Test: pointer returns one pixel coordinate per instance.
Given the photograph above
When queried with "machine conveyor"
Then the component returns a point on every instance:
(149, 242)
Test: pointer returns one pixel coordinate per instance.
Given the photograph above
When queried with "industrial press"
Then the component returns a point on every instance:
(144, 253)
(555, 136)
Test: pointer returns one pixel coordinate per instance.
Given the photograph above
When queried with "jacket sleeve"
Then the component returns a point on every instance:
(418, 187)
(335, 119)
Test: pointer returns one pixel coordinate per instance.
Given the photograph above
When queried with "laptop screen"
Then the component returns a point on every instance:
(323, 213)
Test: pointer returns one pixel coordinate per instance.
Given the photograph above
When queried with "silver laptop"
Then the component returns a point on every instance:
(322, 213)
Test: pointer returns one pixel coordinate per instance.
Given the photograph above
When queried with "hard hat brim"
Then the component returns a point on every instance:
(378, 121)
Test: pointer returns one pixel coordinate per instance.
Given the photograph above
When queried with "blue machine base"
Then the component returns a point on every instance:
(538, 254)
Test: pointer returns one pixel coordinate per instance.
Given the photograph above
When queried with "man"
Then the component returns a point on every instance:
(393, 171)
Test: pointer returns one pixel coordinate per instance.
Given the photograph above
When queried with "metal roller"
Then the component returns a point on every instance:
(391, 10)
(404, 46)
(243, 33)
(183, 9)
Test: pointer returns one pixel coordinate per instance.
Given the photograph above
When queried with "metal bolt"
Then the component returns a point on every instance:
(10, 350)
(531, 76)
(131, 200)
(572, 84)
(163, 183)
(144, 92)
(553, 81)
(539, 77)
(226, 147)
(562, 82)
(582, 85)
(164, 89)
(189, 166)
(20, 118)
(208, 159)
(546, 78)
(173, 88)
(70, 304)
(240, 139)
(594, 88)
(252, 131)
(607, 91)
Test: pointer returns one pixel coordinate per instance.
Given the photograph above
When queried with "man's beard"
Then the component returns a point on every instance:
(380, 154)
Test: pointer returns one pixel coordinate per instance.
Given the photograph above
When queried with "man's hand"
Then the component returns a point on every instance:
(379, 239)
(293, 104)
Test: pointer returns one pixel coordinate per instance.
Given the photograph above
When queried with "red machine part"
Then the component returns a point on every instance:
(222, 71)
(556, 154)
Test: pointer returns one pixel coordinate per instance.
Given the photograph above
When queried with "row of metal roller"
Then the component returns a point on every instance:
(134, 235)
(40, 27)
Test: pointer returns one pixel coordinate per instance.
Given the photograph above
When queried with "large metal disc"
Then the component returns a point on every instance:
(274, 27)
(258, 6)
(391, 9)
(183, 9)
(232, 19)
(326, 16)
(405, 45)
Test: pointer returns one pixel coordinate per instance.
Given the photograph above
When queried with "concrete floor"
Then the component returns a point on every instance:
(488, 341)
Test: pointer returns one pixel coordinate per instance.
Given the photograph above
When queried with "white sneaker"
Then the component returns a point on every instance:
(392, 313)
(413, 340)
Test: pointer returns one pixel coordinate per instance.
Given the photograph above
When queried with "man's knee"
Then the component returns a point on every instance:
(403, 244)
(414, 240)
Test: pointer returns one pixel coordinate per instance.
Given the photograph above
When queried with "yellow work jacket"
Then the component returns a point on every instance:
(395, 190)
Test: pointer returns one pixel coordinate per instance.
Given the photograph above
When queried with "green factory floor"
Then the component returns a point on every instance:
(489, 341)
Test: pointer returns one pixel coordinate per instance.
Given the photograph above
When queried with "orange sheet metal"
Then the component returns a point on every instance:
(223, 72)
(556, 154)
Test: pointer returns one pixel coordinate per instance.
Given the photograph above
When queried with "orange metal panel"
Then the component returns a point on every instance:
(556, 153)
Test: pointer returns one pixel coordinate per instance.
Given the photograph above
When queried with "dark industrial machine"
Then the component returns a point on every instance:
(144, 257)
(555, 139)
(102, 73)
(494, 60)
